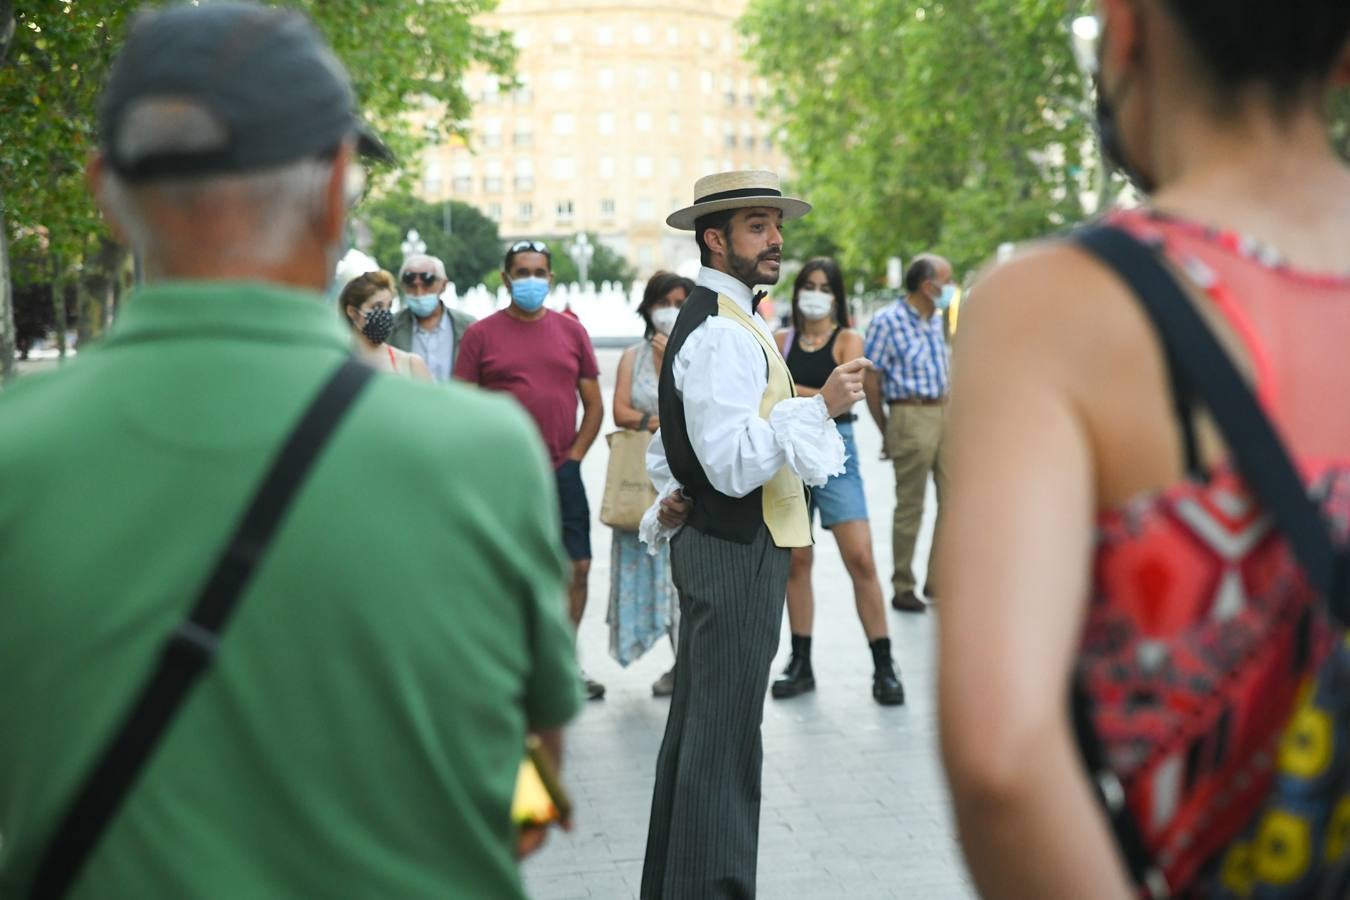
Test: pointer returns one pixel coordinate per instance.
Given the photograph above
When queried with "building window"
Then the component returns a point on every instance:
(605, 125)
(523, 139)
(607, 209)
(522, 37)
(673, 123)
(564, 123)
(673, 36)
(494, 211)
(463, 184)
(431, 180)
(607, 167)
(645, 256)
(674, 167)
(491, 89)
(524, 211)
(562, 35)
(524, 95)
(561, 79)
(604, 35)
(642, 121)
(709, 166)
(704, 40)
(642, 76)
(564, 168)
(646, 210)
(705, 82)
(524, 180)
(492, 184)
(492, 134)
(750, 143)
(673, 79)
(729, 98)
(642, 34)
(642, 167)
(709, 126)
(729, 142)
(606, 79)
(564, 210)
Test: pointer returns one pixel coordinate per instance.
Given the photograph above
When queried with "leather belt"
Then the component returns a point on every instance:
(919, 401)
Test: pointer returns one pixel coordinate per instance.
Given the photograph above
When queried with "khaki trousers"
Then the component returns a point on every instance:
(914, 441)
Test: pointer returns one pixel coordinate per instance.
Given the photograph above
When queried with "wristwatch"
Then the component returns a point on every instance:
(646, 420)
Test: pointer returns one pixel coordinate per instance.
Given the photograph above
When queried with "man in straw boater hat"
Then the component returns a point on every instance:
(730, 459)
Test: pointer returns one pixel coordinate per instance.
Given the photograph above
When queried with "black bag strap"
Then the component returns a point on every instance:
(190, 650)
(1200, 369)
(1204, 368)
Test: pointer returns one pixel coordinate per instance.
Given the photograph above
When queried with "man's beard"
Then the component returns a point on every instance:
(746, 269)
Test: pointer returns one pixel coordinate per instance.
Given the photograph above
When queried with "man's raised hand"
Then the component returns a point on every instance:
(845, 386)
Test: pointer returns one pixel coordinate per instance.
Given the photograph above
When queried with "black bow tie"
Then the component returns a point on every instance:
(754, 304)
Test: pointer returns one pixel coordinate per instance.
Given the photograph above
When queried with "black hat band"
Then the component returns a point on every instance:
(740, 192)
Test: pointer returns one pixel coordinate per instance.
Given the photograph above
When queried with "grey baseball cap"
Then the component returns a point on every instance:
(253, 87)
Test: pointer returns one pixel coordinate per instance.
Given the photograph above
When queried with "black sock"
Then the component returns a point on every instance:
(881, 655)
(801, 647)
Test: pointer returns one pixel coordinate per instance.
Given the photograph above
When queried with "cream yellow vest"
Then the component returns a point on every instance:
(784, 496)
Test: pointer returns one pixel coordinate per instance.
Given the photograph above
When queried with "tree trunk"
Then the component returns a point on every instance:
(8, 334)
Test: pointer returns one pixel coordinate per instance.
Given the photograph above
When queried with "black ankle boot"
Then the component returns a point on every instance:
(886, 687)
(797, 677)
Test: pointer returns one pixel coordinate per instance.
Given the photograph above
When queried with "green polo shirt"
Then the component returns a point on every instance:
(360, 731)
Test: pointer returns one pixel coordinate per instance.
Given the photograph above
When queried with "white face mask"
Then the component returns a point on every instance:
(815, 305)
(663, 319)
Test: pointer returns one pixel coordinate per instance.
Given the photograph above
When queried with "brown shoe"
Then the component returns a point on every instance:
(908, 602)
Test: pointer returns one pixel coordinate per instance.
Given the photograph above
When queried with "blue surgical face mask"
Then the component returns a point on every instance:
(944, 300)
(529, 293)
(422, 306)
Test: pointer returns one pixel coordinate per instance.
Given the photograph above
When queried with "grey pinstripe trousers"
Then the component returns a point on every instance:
(703, 837)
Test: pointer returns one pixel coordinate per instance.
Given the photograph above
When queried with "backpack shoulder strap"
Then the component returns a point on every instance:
(190, 650)
(1204, 368)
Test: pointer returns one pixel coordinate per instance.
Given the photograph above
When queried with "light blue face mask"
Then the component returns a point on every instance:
(529, 293)
(422, 306)
(945, 299)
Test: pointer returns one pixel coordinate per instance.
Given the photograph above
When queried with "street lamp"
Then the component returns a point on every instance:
(413, 245)
(1087, 31)
(582, 252)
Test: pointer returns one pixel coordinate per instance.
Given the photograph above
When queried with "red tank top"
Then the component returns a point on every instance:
(1195, 597)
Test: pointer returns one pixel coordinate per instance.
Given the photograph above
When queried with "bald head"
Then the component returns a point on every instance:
(927, 268)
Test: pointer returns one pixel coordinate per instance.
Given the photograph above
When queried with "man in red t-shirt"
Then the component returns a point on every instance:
(545, 360)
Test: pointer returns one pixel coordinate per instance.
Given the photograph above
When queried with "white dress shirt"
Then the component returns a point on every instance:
(720, 375)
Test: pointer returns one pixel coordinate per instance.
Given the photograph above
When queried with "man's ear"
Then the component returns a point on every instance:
(506, 280)
(716, 240)
(95, 171)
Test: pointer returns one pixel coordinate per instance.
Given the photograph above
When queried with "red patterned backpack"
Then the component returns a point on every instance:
(1221, 760)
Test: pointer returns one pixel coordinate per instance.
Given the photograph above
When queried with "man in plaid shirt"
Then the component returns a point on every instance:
(907, 397)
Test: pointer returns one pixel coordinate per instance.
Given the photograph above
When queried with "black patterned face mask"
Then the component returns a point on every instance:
(379, 322)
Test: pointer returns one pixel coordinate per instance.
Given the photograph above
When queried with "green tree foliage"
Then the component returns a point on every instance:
(470, 249)
(917, 125)
(404, 56)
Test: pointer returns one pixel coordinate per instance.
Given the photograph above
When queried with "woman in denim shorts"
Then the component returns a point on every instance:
(820, 339)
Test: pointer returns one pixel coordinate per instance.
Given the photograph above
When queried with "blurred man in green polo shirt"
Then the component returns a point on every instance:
(359, 730)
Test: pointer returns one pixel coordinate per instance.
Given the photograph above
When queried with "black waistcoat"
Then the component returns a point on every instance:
(737, 519)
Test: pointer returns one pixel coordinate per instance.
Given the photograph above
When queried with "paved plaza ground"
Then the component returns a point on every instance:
(854, 805)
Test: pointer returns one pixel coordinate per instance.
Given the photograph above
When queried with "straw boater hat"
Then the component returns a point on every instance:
(736, 190)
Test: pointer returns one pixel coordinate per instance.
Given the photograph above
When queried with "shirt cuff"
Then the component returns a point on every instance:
(650, 530)
(804, 430)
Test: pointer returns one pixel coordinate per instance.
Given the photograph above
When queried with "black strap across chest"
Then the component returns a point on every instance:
(189, 651)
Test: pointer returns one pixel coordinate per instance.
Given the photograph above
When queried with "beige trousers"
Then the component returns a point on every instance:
(914, 441)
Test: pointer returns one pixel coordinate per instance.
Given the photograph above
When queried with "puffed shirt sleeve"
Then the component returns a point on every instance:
(650, 530)
(720, 374)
